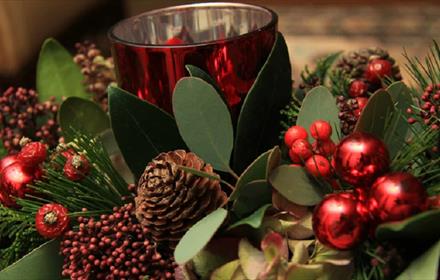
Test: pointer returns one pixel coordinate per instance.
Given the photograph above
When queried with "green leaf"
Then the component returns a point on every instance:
(423, 226)
(397, 131)
(258, 124)
(294, 184)
(57, 74)
(197, 72)
(374, 117)
(424, 267)
(141, 129)
(252, 196)
(252, 260)
(304, 271)
(273, 161)
(226, 271)
(204, 121)
(42, 263)
(82, 115)
(3, 151)
(320, 104)
(196, 238)
(255, 171)
(217, 253)
(254, 220)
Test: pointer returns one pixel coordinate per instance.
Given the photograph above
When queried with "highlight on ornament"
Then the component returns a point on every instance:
(190, 154)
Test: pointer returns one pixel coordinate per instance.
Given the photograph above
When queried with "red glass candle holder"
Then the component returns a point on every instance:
(230, 41)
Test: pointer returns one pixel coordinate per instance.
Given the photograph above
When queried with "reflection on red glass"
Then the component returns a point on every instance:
(152, 72)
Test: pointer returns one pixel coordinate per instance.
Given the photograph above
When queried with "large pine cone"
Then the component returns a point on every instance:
(169, 200)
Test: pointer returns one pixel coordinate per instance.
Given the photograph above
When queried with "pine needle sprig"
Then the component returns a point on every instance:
(17, 235)
(319, 74)
(101, 190)
(339, 83)
(427, 72)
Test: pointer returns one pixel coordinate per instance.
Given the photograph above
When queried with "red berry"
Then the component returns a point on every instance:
(174, 41)
(378, 69)
(68, 153)
(33, 153)
(76, 167)
(318, 166)
(358, 88)
(362, 102)
(325, 148)
(294, 133)
(51, 220)
(300, 151)
(321, 130)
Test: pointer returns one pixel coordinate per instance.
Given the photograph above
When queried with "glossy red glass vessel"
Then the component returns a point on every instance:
(229, 41)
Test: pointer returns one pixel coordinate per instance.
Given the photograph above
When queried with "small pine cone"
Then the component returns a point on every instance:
(169, 200)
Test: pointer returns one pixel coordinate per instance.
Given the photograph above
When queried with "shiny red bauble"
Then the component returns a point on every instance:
(320, 130)
(360, 158)
(358, 88)
(361, 103)
(294, 133)
(318, 166)
(396, 196)
(338, 222)
(378, 69)
(33, 153)
(14, 180)
(6, 161)
(300, 151)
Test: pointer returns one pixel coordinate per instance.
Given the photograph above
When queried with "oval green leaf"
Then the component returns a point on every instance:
(320, 104)
(196, 238)
(42, 263)
(258, 124)
(226, 271)
(197, 72)
(252, 196)
(252, 260)
(82, 115)
(423, 226)
(294, 184)
(57, 74)
(141, 129)
(204, 121)
(424, 267)
(254, 220)
(375, 116)
(255, 171)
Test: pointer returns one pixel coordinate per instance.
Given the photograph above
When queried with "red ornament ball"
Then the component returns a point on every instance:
(6, 161)
(338, 223)
(396, 196)
(14, 180)
(76, 167)
(358, 88)
(324, 148)
(378, 69)
(300, 151)
(360, 158)
(33, 153)
(294, 133)
(318, 166)
(321, 130)
(52, 220)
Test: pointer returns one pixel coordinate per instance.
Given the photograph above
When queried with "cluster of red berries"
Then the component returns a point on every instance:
(17, 171)
(114, 246)
(314, 157)
(429, 109)
(21, 115)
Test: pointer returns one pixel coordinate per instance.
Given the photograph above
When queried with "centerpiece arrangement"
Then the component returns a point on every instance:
(224, 176)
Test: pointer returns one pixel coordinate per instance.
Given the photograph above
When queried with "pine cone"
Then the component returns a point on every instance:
(169, 200)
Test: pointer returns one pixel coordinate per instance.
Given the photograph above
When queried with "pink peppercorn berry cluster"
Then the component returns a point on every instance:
(313, 157)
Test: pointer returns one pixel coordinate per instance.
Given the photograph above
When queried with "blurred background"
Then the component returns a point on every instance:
(312, 27)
